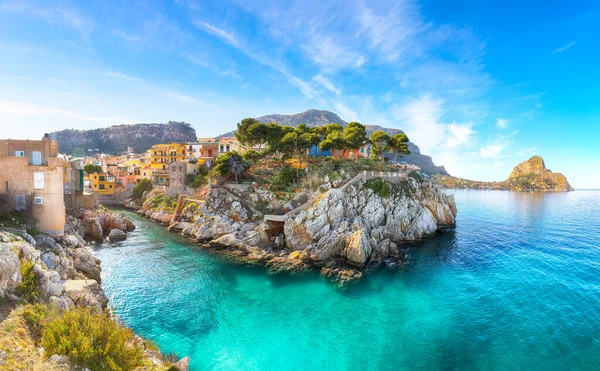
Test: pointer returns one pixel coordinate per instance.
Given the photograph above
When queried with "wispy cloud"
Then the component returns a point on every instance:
(207, 27)
(122, 76)
(527, 151)
(501, 123)
(126, 36)
(324, 82)
(459, 134)
(564, 47)
(57, 15)
(493, 151)
(223, 72)
(18, 108)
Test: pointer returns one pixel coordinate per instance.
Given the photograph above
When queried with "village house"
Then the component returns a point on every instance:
(32, 180)
(206, 149)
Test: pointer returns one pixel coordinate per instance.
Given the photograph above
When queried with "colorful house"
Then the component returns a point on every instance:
(102, 184)
(161, 155)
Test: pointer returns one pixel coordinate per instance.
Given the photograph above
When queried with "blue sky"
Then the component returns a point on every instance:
(478, 85)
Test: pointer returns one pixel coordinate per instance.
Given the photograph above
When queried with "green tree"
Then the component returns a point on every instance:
(92, 169)
(143, 186)
(251, 133)
(78, 152)
(230, 162)
(379, 144)
(355, 135)
(399, 145)
(334, 142)
(251, 156)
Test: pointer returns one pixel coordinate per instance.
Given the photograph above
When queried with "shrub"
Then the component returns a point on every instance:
(379, 187)
(28, 289)
(36, 317)
(416, 176)
(286, 179)
(198, 181)
(32, 231)
(143, 186)
(92, 169)
(92, 340)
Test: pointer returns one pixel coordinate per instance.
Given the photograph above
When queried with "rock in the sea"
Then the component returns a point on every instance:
(183, 364)
(116, 235)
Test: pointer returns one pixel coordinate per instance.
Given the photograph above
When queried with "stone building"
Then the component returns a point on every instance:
(32, 180)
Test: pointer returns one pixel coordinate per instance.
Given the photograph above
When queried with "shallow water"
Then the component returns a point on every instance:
(515, 286)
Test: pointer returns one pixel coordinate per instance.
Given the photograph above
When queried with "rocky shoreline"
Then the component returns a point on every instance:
(66, 273)
(342, 232)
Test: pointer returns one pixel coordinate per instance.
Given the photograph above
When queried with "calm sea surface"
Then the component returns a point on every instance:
(515, 286)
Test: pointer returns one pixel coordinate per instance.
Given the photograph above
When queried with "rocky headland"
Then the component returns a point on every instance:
(529, 176)
(342, 227)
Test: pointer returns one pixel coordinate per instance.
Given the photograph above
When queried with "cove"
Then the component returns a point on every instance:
(516, 285)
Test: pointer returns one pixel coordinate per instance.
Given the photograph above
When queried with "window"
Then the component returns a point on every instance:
(19, 153)
(362, 150)
(110, 186)
(36, 158)
(102, 178)
(101, 186)
(37, 200)
(227, 148)
(38, 180)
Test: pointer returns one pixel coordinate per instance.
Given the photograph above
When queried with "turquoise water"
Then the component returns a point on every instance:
(516, 286)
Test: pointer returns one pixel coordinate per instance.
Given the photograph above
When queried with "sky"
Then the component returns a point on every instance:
(479, 85)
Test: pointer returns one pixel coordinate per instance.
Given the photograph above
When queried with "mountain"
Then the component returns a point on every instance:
(117, 138)
(313, 117)
(531, 175)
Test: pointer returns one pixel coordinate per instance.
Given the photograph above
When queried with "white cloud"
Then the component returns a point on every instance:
(345, 112)
(497, 165)
(324, 82)
(227, 72)
(125, 36)
(121, 76)
(564, 47)
(229, 38)
(459, 134)
(501, 123)
(420, 120)
(528, 151)
(61, 16)
(325, 52)
(492, 151)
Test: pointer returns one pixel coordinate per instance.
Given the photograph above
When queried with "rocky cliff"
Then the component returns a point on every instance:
(341, 230)
(530, 175)
(314, 117)
(116, 139)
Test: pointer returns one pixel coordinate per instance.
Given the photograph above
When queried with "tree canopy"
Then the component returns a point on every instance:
(398, 144)
(230, 162)
(92, 168)
(379, 144)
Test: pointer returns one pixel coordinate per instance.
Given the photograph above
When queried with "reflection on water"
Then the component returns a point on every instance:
(516, 285)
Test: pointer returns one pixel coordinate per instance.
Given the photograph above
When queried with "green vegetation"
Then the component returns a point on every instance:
(230, 162)
(32, 231)
(162, 202)
(92, 340)
(416, 176)
(379, 187)
(379, 144)
(28, 289)
(36, 317)
(398, 144)
(286, 179)
(92, 169)
(143, 186)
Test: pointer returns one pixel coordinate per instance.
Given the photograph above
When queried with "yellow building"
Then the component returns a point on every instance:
(161, 155)
(102, 184)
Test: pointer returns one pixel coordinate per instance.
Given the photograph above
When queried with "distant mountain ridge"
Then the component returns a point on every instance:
(313, 117)
(530, 175)
(117, 138)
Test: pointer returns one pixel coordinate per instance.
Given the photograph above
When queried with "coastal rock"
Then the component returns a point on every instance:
(359, 226)
(183, 364)
(116, 235)
(85, 262)
(10, 275)
(49, 282)
(341, 276)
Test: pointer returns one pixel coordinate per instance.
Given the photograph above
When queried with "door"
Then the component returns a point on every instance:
(36, 158)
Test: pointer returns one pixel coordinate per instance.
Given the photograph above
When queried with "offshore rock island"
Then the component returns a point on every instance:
(531, 175)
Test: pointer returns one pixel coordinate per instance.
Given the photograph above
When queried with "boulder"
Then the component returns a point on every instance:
(116, 235)
(10, 275)
(183, 364)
